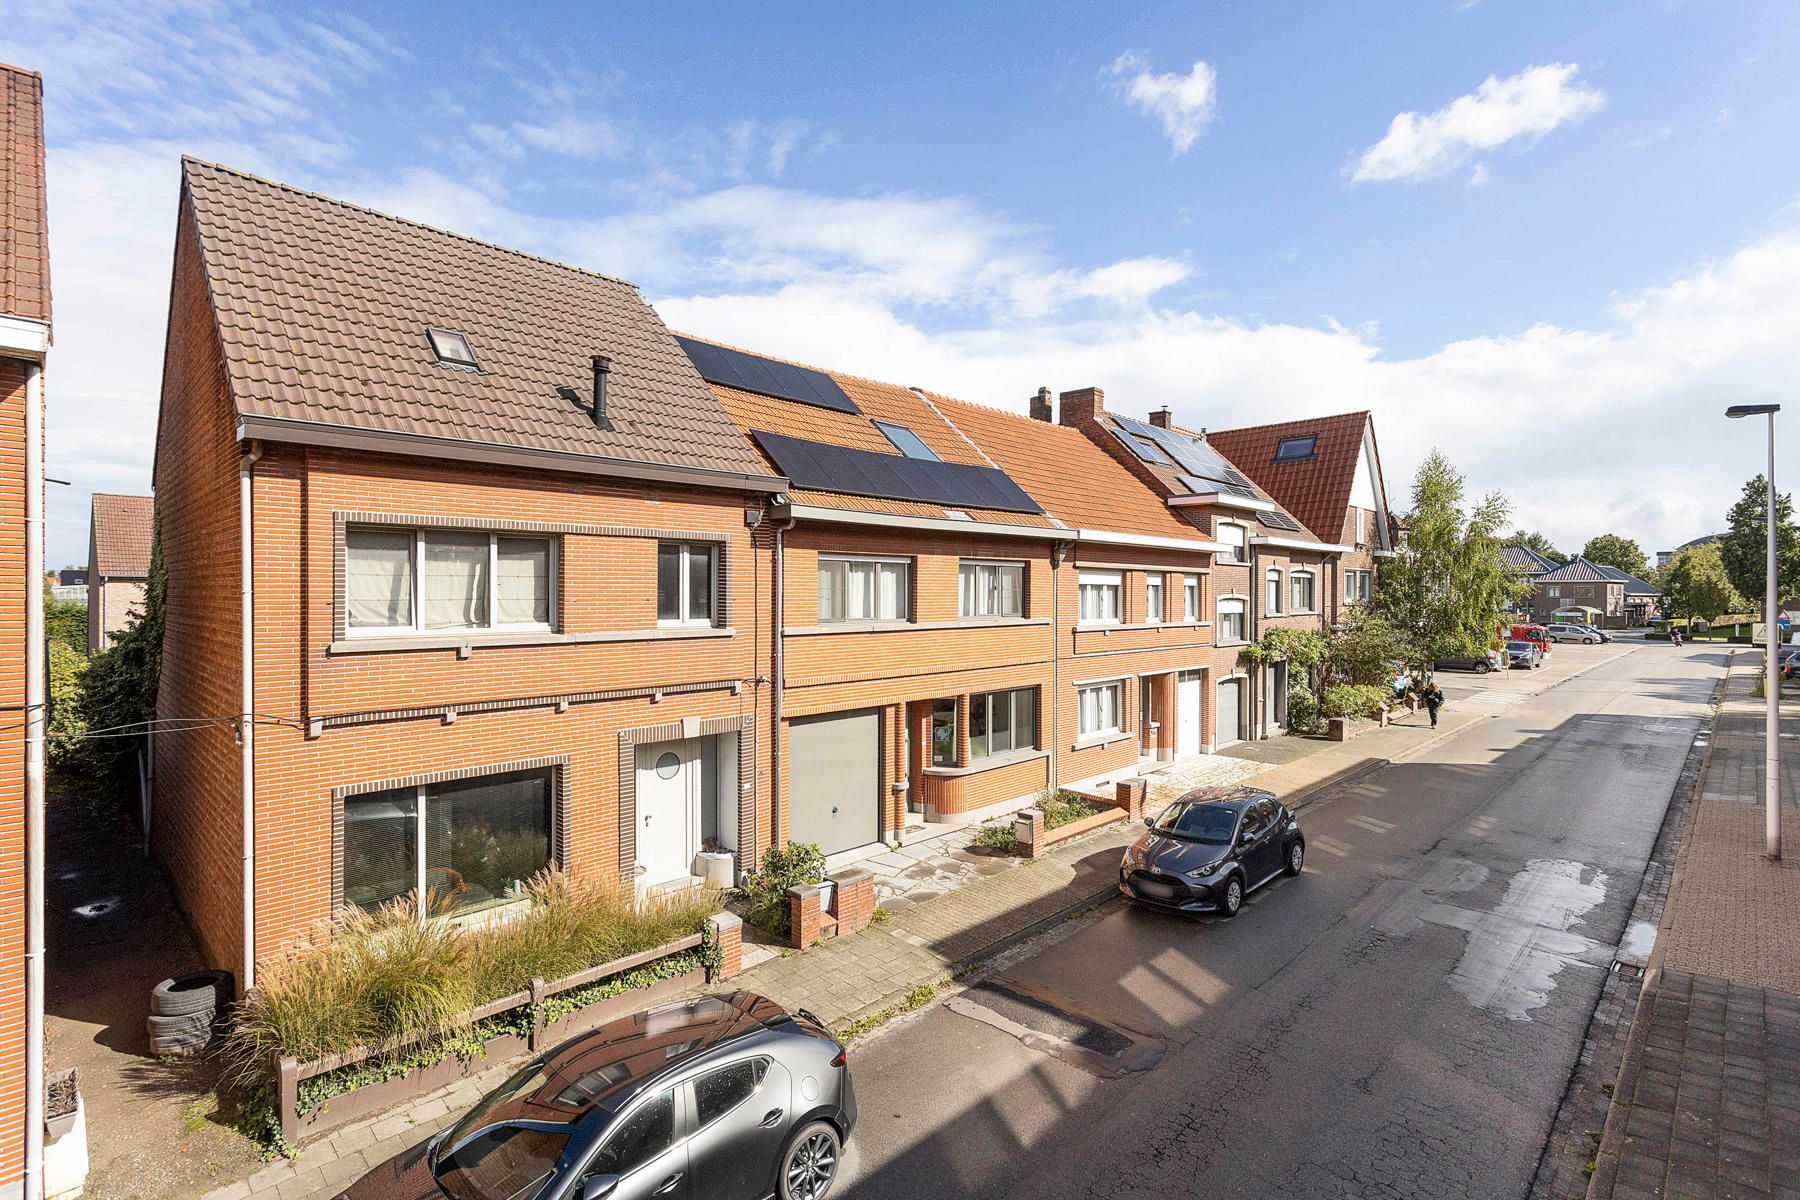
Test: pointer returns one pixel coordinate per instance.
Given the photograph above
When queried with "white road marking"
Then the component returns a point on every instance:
(1372, 824)
(1329, 845)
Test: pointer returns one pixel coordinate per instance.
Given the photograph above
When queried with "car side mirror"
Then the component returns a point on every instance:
(1246, 837)
(598, 1187)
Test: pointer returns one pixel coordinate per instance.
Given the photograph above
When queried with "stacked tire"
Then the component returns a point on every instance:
(186, 1012)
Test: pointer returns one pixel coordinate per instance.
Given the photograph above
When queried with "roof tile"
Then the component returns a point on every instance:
(1316, 490)
(122, 535)
(24, 225)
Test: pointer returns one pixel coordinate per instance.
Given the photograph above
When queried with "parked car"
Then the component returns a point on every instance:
(1537, 635)
(1210, 849)
(1586, 634)
(1524, 654)
(732, 1097)
(1789, 658)
(1479, 663)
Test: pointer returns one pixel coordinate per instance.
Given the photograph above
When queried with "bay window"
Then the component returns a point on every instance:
(1231, 621)
(1153, 599)
(686, 583)
(991, 589)
(1002, 721)
(437, 580)
(1099, 592)
(1101, 708)
(864, 589)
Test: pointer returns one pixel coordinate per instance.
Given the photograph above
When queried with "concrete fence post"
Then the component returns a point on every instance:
(287, 1085)
(540, 992)
(728, 932)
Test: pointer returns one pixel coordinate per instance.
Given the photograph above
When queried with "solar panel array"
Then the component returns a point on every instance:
(1278, 520)
(832, 468)
(1203, 470)
(766, 376)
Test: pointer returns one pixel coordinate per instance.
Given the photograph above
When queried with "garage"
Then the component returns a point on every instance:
(1228, 725)
(834, 781)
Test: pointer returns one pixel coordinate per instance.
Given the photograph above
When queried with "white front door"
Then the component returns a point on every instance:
(1188, 693)
(669, 786)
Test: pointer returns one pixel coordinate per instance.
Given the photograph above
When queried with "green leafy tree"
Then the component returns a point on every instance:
(119, 688)
(67, 666)
(1365, 648)
(1611, 550)
(1745, 548)
(1697, 585)
(1532, 540)
(66, 621)
(1445, 591)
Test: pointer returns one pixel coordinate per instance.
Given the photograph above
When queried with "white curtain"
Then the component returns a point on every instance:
(522, 582)
(378, 578)
(456, 580)
(1012, 591)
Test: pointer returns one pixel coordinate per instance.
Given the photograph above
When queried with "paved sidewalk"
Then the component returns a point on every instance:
(1707, 1102)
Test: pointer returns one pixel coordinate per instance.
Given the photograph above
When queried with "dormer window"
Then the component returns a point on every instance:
(1296, 449)
(452, 349)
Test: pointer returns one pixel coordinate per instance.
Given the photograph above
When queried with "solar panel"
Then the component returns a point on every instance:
(765, 376)
(1143, 449)
(832, 468)
(1192, 455)
(1278, 520)
(1195, 483)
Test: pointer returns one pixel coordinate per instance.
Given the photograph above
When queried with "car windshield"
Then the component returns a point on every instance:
(502, 1162)
(1519, 646)
(1199, 821)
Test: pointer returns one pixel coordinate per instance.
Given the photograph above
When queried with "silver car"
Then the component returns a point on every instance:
(719, 1098)
(1575, 633)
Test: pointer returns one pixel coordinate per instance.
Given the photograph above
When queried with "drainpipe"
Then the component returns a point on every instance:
(780, 505)
(247, 720)
(1058, 552)
(1254, 606)
(34, 781)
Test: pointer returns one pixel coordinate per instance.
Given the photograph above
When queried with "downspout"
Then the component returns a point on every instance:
(34, 781)
(1058, 552)
(778, 671)
(1254, 605)
(247, 720)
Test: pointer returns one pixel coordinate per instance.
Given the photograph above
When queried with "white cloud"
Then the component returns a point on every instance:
(1529, 104)
(1479, 176)
(575, 137)
(1183, 104)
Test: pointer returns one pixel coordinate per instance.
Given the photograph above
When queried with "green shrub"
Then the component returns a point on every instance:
(765, 892)
(1352, 700)
(1065, 808)
(998, 836)
(1303, 709)
(66, 747)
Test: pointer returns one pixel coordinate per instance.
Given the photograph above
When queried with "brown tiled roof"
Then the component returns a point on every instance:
(24, 227)
(1171, 476)
(122, 526)
(323, 307)
(1316, 490)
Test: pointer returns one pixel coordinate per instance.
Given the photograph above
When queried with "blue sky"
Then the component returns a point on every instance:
(1579, 246)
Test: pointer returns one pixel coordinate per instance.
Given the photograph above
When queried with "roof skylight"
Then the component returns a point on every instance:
(1296, 449)
(906, 441)
(451, 348)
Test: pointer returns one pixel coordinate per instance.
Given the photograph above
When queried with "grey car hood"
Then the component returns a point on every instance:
(1172, 855)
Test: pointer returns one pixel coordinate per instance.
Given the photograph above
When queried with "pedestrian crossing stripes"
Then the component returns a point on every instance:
(1329, 845)
(1372, 824)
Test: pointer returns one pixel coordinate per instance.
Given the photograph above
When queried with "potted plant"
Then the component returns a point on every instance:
(65, 1137)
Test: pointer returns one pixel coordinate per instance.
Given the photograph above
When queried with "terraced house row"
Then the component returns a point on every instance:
(490, 570)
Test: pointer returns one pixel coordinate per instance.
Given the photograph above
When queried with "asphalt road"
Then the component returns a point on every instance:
(1400, 1021)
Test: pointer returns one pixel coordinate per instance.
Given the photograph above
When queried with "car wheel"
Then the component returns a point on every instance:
(1296, 857)
(810, 1165)
(1483, 668)
(1234, 897)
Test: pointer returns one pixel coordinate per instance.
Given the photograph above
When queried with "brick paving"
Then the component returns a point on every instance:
(1707, 1101)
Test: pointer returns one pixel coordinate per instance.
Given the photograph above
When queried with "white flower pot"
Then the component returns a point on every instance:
(66, 1153)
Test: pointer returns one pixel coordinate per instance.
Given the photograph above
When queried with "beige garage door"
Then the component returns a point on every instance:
(834, 784)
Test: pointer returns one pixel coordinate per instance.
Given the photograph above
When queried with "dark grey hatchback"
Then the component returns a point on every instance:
(1210, 849)
(723, 1098)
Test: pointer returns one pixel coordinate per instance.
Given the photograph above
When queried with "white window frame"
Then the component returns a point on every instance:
(683, 601)
(1272, 595)
(1312, 588)
(1238, 551)
(1553, 591)
(1190, 598)
(905, 592)
(1117, 688)
(1155, 597)
(417, 627)
(966, 590)
(1233, 606)
(1112, 581)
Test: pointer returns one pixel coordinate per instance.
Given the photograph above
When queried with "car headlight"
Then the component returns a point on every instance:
(1202, 872)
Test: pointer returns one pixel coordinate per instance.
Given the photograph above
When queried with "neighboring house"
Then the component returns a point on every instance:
(1642, 599)
(1326, 471)
(119, 536)
(505, 593)
(1584, 592)
(1269, 571)
(1528, 566)
(24, 342)
(72, 577)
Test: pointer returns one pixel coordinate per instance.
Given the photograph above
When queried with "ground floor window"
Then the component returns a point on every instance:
(465, 843)
(943, 733)
(1002, 721)
(1102, 709)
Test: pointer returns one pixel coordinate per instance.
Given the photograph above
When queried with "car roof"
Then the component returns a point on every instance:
(1234, 797)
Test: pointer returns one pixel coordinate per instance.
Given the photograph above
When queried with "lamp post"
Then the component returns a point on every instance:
(1772, 688)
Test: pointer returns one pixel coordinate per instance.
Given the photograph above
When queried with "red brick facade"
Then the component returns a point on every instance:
(12, 770)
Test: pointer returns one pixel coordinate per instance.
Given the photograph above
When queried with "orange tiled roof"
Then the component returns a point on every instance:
(323, 306)
(1316, 490)
(24, 227)
(122, 532)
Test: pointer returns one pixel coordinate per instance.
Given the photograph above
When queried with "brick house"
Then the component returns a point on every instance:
(1527, 566)
(965, 605)
(1269, 571)
(466, 533)
(1588, 593)
(24, 343)
(119, 534)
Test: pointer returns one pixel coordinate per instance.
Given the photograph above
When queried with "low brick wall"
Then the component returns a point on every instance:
(1126, 804)
(811, 918)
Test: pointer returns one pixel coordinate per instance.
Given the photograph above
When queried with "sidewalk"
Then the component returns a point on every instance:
(1707, 1102)
(864, 975)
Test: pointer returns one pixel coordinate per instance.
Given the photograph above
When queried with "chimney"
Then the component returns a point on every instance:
(1040, 405)
(1082, 406)
(602, 368)
(1162, 418)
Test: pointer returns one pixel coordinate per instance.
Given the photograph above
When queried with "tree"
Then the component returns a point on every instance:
(67, 666)
(1611, 550)
(1745, 548)
(119, 689)
(1445, 591)
(66, 621)
(1697, 584)
(1532, 540)
(1365, 648)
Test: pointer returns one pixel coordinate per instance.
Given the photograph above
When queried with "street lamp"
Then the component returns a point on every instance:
(1771, 598)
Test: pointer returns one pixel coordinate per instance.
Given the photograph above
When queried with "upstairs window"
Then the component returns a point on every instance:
(452, 349)
(1233, 538)
(1100, 594)
(1301, 582)
(1272, 591)
(991, 589)
(1190, 598)
(906, 441)
(439, 580)
(686, 584)
(1231, 621)
(1153, 599)
(1296, 449)
(864, 589)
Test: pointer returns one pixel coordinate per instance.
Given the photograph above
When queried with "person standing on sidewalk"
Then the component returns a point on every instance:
(1434, 700)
